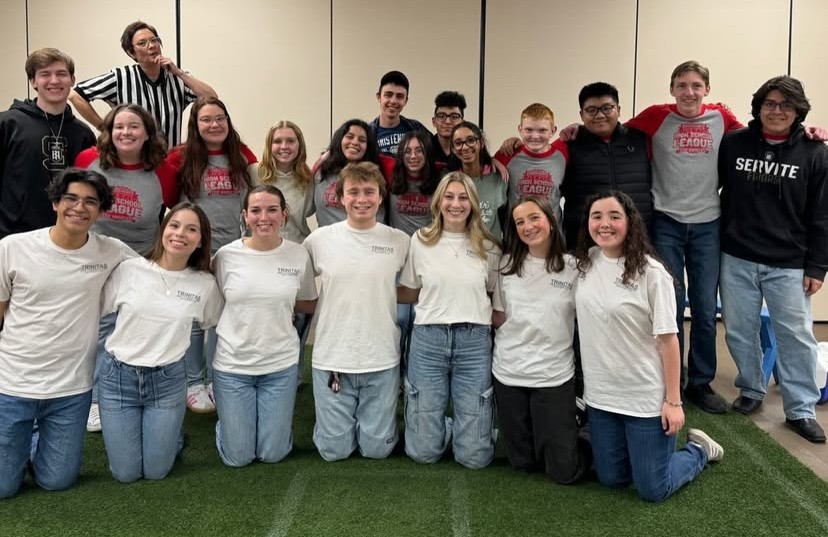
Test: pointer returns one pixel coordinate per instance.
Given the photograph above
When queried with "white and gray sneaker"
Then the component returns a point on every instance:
(93, 422)
(198, 399)
(714, 451)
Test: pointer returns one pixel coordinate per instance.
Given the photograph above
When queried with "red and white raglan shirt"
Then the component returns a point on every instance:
(685, 153)
(219, 197)
(536, 174)
(138, 197)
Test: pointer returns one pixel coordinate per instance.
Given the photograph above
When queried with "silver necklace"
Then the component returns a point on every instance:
(169, 287)
(456, 250)
(56, 148)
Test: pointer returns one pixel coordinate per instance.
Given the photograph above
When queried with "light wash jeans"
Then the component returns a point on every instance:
(198, 359)
(743, 286)
(696, 248)
(450, 363)
(255, 416)
(362, 414)
(302, 324)
(627, 449)
(142, 410)
(105, 329)
(54, 452)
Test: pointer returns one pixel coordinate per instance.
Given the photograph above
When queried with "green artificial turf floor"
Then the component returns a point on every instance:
(758, 489)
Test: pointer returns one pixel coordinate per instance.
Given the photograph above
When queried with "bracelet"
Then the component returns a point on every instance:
(670, 403)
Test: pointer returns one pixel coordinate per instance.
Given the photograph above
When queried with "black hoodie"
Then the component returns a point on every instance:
(775, 200)
(29, 157)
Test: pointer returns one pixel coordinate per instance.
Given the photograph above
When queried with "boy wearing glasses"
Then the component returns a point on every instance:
(536, 168)
(390, 125)
(774, 242)
(154, 83)
(449, 110)
(39, 138)
(50, 293)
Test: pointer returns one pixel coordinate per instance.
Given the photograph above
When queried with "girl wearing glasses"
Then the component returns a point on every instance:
(534, 362)
(264, 279)
(626, 307)
(284, 166)
(143, 383)
(470, 156)
(451, 269)
(215, 171)
(130, 153)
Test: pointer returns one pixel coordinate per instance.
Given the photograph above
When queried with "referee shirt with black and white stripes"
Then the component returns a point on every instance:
(165, 98)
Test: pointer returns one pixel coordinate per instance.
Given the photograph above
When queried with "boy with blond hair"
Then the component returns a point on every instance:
(537, 167)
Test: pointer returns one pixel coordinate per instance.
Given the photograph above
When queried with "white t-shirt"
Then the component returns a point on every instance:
(48, 342)
(255, 332)
(617, 325)
(533, 348)
(356, 317)
(454, 281)
(156, 310)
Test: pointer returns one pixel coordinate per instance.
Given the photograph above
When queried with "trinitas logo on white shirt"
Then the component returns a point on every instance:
(560, 284)
(383, 250)
(187, 297)
(619, 282)
(94, 267)
(286, 271)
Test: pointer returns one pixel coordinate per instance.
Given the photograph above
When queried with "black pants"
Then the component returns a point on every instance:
(540, 432)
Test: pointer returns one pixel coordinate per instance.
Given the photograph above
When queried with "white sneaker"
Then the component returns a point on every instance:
(93, 422)
(198, 399)
(714, 451)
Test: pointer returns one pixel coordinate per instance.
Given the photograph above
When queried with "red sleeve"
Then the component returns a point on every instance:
(731, 123)
(168, 178)
(386, 165)
(175, 158)
(560, 145)
(248, 154)
(86, 157)
(650, 119)
(503, 158)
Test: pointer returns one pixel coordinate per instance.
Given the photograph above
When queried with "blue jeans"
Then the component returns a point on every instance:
(105, 329)
(56, 454)
(198, 359)
(362, 414)
(450, 363)
(744, 285)
(255, 416)
(302, 324)
(142, 410)
(694, 247)
(627, 449)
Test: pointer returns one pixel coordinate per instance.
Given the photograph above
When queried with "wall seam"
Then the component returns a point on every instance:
(482, 74)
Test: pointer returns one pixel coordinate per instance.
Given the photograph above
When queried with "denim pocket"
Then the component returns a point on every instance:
(107, 369)
(486, 419)
(412, 409)
(173, 371)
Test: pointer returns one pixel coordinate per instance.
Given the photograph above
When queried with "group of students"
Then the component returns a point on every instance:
(214, 240)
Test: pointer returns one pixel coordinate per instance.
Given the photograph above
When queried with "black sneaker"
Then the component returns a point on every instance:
(703, 396)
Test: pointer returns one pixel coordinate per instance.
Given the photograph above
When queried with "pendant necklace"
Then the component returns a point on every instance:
(169, 287)
(55, 147)
(456, 250)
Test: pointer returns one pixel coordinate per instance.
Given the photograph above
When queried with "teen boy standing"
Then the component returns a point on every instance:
(390, 125)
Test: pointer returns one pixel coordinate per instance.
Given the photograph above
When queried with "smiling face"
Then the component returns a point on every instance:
(455, 207)
(533, 228)
(608, 226)
(182, 235)
(392, 99)
(361, 200)
(355, 143)
(445, 119)
(264, 215)
(128, 136)
(536, 134)
(689, 89)
(413, 157)
(77, 209)
(212, 126)
(465, 144)
(600, 115)
(777, 114)
(52, 84)
(284, 147)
